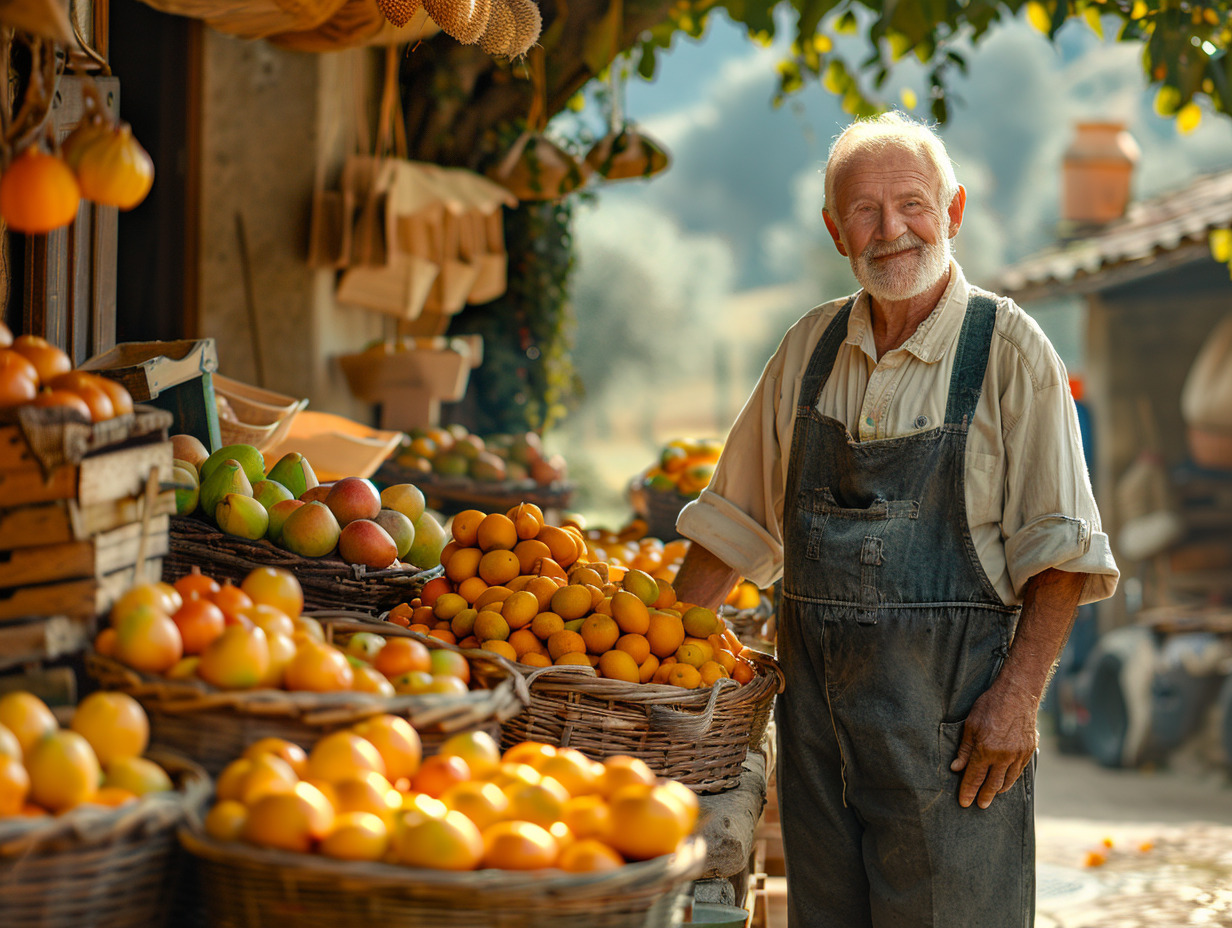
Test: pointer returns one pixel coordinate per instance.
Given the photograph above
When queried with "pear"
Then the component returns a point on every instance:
(248, 457)
(405, 498)
(242, 516)
(311, 531)
(227, 477)
(400, 528)
(425, 551)
(267, 492)
(278, 514)
(189, 448)
(187, 490)
(295, 473)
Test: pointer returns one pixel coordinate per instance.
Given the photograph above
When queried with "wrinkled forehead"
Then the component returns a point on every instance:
(895, 162)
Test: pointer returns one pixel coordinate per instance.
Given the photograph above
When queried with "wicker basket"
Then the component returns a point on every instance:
(453, 494)
(662, 509)
(754, 627)
(113, 868)
(699, 737)
(262, 417)
(328, 582)
(215, 726)
(249, 887)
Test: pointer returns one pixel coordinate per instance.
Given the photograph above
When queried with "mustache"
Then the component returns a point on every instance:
(902, 243)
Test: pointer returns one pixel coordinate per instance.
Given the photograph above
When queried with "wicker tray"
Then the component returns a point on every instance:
(214, 726)
(113, 868)
(328, 582)
(453, 494)
(699, 737)
(248, 887)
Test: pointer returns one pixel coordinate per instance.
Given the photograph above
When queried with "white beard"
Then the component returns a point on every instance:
(901, 280)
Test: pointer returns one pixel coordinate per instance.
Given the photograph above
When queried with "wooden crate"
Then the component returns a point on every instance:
(66, 520)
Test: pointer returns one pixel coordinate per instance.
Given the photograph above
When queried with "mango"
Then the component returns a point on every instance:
(239, 658)
(277, 516)
(316, 494)
(364, 542)
(267, 492)
(249, 458)
(242, 516)
(353, 498)
(430, 540)
(228, 477)
(400, 528)
(295, 473)
(311, 531)
(189, 448)
(405, 498)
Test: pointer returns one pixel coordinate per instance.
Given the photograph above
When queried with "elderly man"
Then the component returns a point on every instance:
(910, 463)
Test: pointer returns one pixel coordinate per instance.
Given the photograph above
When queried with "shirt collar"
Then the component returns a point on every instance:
(932, 338)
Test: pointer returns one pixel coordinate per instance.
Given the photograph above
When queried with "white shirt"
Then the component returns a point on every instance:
(1028, 495)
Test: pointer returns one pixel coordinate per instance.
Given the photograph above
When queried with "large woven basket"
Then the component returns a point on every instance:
(215, 726)
(328, 582)
(699, 737)
(248, 887)
(105, 868)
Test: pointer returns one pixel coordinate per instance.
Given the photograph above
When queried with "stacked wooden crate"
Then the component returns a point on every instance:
(83, 515)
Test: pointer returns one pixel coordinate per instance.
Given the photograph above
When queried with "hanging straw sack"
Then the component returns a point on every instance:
(627, 153)
(481, 228)
(253, 19)
(361, 23)
(1206, 400)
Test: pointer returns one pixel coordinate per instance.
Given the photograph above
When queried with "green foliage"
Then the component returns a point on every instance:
(1185, 53)
(527, 379)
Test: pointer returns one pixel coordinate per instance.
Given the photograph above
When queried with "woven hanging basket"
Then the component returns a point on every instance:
(215, 726)
(106, 868)
(253, 19)
(328, 582)
(699, 737)
(277, 889)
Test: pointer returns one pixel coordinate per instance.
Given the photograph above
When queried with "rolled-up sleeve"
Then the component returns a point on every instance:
(738, 517)
(1050, 518)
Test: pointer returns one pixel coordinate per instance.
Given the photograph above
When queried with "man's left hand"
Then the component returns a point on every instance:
(999, 738)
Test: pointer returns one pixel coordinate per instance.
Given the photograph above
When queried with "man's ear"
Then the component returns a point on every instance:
(838, 239)
(957, 205)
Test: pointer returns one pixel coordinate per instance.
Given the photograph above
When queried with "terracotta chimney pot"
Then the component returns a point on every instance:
(1096, 172)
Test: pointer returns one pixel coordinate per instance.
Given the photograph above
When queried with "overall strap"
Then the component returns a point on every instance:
(971, 360)
(822, 361)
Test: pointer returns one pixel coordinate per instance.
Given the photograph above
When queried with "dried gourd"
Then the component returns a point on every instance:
(398, 12)
(499, 35)
(627, 153)
(465, 20)
(527, 24)
(38, 193)
(114, 170)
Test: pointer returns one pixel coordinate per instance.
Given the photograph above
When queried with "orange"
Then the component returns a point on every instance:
(588, 816)
(367, 792)
(684, 675)
(566, 642)
(9, 745)
(665, 634)
(139, 776)
(450, 842)
(343, 754)
(647, 669)
(561, 543)
(542, 803)
(277, 587)
(472, 588)
(520, 608)
(402, 655)
(292, 821)
(529, 551)
(306, 627)
(492, 595)
(519, 582)
(225, 821)
(104, 644)
(630, 613)
(231, 599)
(512, 774)
(686, 797)
(699, 622)
(230, 782)
(576, 659)
(113, 723)
(600, 632)
(641, 585)
(743, 672)
(438, 773)
(356, 836)
(148, 640)
(112, 797)
(264, 774)
(462, 564)
(619, 665)
(465, 527)
(463, 624)
(490, 626)
(63, 770)
(527, 519)
(478, 748)
(667, 594)
(199, 622)
(523, 641)
(519, 845)
(483, 803)
(652, 821)
(448, 605)
(396, 741)
(18, 379)
(27, 717)
(576, 772)
(532, 753)
(636, 646)
(545, 624)
(499, 647)
(368, 680)
(14, 785)
(498, 566)
(434, 588)
(318, 668)
(535, 659)
(543, 589)
(585, 575)
(620, 770)
(546, 567)
(589, 856)
(443, 662)
(711, 672)
(288, 751)
(571, 602)
(496, 531)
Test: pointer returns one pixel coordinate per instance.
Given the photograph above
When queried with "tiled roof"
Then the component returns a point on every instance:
(1167, 230)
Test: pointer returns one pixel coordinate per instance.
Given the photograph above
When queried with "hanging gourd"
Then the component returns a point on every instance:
(627, 153)
(113, 169)
(513, 27)
(38, 193)
(91, 130)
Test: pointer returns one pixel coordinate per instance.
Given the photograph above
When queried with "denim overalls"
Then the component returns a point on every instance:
(889, 630)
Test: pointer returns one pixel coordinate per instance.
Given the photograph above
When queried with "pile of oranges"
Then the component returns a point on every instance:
(527, 591)
(366, 793)
(35, 372)
(97, 760)
(255, 636)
